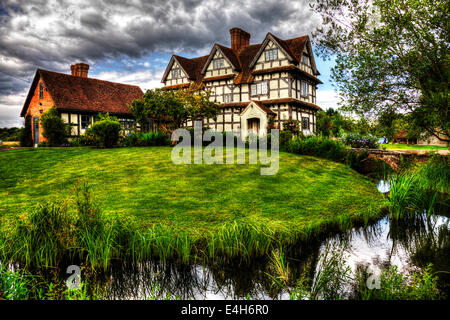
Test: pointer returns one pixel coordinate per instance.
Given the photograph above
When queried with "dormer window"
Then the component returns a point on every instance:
(218, 63)
(305, 59)
(176, 73)
(41, 90)
(271, 54)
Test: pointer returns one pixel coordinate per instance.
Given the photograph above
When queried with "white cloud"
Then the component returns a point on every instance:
(327, 99)
(145, 79)
(10, 107)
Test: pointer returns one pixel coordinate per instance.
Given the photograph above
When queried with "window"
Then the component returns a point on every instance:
(176, 73)
(259, 88)
(85, 122)
(305, 59)
(218, 63)
(304, 88)
(305, 123)
(271, 54)
(41, 90)
(227, 98)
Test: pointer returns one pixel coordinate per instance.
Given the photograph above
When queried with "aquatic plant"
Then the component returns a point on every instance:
(393, 285)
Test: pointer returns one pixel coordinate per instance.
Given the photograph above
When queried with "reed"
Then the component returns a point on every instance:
(77, 230)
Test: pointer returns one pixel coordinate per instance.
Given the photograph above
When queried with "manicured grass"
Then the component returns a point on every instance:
(413, 147)
(143, 183)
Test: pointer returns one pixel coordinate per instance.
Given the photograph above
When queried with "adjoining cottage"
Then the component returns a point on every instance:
(258, 86)
(78, 99)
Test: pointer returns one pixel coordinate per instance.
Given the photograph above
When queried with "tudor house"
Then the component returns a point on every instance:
(78, 99)
(258, 86)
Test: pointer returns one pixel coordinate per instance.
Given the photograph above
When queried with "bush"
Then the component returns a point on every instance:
(292, 126)
(25, 137)
(55, 130)
(356, 140)
(105, 131)
(318, 146)
(145, 139)
(285, 137)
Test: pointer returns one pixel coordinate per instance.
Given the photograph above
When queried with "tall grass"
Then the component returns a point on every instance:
(333, 279)
(420, 189)
(436, 173)
(393, 285)
(329, 279)
(408, 195)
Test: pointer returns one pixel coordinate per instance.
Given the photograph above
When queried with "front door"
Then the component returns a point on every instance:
(36, 130)
(253, 126)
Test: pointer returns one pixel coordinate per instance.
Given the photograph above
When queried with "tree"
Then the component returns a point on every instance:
(55, 130)
(391, 56)
(175, 107)
(26, 140)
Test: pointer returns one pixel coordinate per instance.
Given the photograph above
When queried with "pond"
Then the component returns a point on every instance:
(379, 245)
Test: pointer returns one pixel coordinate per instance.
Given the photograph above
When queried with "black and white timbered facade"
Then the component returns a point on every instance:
(258, 86)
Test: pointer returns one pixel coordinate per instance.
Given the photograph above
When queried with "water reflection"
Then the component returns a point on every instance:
(408, 244)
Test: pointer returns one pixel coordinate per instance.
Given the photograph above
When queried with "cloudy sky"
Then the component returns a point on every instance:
(131, 41)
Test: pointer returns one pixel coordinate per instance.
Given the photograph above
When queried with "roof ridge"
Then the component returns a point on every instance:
(89, 78)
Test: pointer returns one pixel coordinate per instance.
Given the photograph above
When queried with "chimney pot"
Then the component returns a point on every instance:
(80, 70)
(239, 38)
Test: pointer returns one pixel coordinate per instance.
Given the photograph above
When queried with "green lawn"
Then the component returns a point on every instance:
(413, 147)
(144, 184)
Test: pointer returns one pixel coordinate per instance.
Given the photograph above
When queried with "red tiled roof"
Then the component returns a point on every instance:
(85, 94)
(242, 58)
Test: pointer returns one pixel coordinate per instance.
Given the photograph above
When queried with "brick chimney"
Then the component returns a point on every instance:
(239, 38)
(80, 70)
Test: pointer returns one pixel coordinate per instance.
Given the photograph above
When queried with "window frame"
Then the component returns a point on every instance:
(305, 56)
(230, 98)
(304, 85)
(41, 90)
(216, 61)
(178, 73)
(260, 91)
(82, 122)
(271, 54)
(308, 126)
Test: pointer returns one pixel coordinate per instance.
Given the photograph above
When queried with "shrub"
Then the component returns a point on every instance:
(55, 130)
(356, 140)
(145, 139)
(105, 131)
(318, 146)
(285, 137)
(354, 159)
(25, 137)
(292, 126)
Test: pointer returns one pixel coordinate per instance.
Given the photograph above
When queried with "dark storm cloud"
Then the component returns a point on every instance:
(55, 34)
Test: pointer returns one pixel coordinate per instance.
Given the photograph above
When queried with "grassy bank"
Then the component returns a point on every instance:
(400, 146)
(153, 208)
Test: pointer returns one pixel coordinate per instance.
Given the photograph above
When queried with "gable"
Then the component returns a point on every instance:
(221, 61)
(276, 43)
(175, 73)
(34, 99)
(271, 56)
